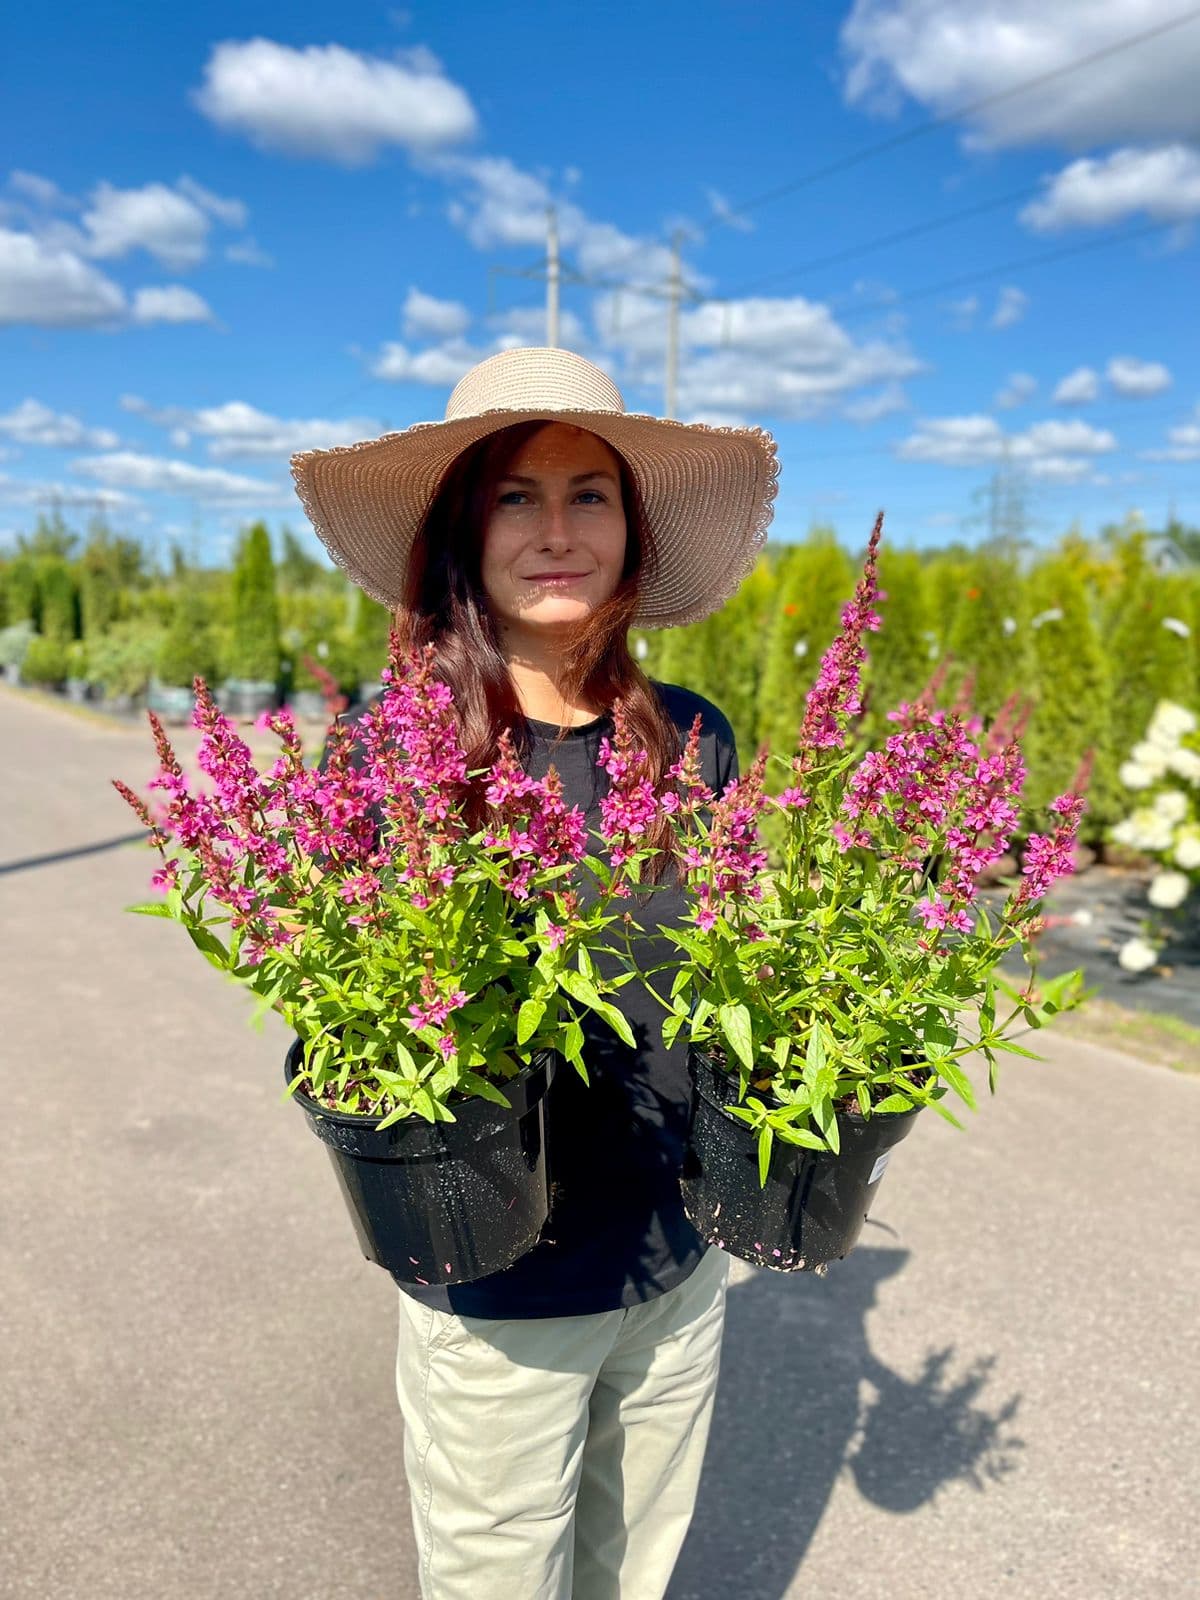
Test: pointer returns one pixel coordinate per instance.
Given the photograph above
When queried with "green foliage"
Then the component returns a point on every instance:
(111, 573)
(50, 537)
(298, 570)
(899, 663)
(77, 659)
(815, 580)
(188, 646)
(254, 642)
(45, 661)
(14, 642)
(1152, 662)
(123, 660)
(370, 627)
(24, 597)
(1073, 697)
(59, 600)
(990, 637)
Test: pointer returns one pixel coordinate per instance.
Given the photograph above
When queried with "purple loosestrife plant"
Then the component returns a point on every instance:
(419, 961)
(858, 977)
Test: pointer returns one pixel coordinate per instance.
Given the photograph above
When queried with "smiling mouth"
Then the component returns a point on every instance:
(557, 577)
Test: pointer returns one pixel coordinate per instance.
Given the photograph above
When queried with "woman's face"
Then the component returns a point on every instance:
(554, 533)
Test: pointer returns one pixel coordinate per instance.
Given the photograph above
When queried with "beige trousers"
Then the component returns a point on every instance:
(558, 1458)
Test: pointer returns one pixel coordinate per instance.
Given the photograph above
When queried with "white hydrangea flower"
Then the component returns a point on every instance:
(1146, 830)
(1153, 757)
(1172, 804)
(1122, 832)
(1171, 721)
(1187, 847)
(1135, 776)
(1185, 764)
(1136, 955)
(1178, 626)
(1168, 890)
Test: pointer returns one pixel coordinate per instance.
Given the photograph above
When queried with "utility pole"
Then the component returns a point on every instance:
(555, 273)
(552, 274)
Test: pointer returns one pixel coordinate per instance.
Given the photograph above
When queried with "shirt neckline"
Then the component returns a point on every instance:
(549, 730)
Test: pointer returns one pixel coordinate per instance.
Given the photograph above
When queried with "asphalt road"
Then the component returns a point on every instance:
(994, 1396)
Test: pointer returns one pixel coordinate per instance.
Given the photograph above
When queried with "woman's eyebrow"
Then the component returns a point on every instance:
(580, 477)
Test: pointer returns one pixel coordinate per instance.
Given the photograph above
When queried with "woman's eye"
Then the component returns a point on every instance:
(511, 496)
(594, 493)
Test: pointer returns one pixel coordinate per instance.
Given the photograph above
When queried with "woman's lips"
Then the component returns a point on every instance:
(557, 577)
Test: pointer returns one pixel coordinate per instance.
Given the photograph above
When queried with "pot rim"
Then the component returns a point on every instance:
(366, 1124)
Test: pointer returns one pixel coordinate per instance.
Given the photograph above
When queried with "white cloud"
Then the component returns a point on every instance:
(722, 211)
(125, 469)
(248, 253)
(231, 212)
(1077, 388)
(1055, 450)
(42, 191)
(170, 303)
(333, 103)
(427, 317)
(526, 325)
(36, 424)
(1096, 191)
(440, 366)
(1183, 443)
(236, 429)
(946, 54)
(50, 286)
(30, 492)
(1136, 379)
(964, 311)
(882, 403)
(502, 205)
(1011, 306)
(154, 218)
(1021, 387)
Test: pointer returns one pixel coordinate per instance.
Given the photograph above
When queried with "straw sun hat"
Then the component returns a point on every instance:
(708, 493)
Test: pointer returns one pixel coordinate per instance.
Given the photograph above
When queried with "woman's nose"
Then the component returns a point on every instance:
(553, 528)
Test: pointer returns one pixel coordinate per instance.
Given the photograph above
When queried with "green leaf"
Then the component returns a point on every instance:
(735, 1025)
(957, 1079)
(765, 1140)
(1014, 1049)
(209, 946)
(151, 908)
(528, 1018)
(825, 1118)
(894, 1102)
(485, 1090)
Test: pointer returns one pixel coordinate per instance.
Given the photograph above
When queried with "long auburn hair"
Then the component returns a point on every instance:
(444, 604)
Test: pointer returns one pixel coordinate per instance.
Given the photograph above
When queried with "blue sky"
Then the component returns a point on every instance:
(231, 232)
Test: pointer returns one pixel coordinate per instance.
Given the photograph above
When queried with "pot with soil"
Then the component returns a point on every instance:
(443, 1202)
(814, 1203)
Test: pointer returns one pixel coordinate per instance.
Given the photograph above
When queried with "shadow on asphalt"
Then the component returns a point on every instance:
(791, 1413)
(30, 862)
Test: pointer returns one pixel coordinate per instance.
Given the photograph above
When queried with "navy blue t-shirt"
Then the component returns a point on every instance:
(617, 1234)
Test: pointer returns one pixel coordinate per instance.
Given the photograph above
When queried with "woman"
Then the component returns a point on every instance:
(556, 1414)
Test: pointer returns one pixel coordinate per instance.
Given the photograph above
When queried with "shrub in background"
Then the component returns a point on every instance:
(813, 582)
(254, 641)
(45, 662)
(188, 648)
(990, 635)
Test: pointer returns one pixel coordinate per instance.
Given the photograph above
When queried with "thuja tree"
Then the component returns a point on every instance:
(188, 647)
(111, 572)
(899, 663)
(1152, 657)
(1072, 688)
(370, 625)
(59, 600)
(814, 580)
(990, 636)
(254, 640)
(721, 656)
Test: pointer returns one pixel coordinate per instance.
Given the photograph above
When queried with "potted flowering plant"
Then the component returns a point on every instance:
(1165, 768)
(433, 975)
(826, 1003)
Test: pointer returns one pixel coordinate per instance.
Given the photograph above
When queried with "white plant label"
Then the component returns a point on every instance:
(877, 1170)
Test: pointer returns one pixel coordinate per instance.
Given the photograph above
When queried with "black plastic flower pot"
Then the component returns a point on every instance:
(814, 1204)
(444, 1202)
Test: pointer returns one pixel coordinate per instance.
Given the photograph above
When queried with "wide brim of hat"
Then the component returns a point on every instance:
(708, 495)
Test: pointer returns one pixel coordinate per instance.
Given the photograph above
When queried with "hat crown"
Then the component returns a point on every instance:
(531, 379)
